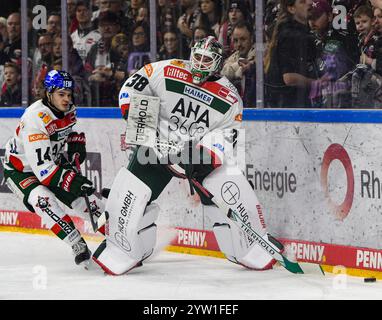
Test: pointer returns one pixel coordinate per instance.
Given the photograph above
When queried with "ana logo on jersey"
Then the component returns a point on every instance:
(199, 115)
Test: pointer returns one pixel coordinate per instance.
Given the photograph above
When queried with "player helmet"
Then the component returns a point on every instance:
(56, 79)
(206, 59)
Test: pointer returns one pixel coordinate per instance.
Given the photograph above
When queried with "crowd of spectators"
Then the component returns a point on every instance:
(317, 53)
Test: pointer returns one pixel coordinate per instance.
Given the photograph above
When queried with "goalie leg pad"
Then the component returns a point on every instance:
(115, 261)
(130, 229)
(232, 244)
(230, 187)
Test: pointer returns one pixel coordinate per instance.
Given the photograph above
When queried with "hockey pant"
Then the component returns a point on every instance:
(52, 207)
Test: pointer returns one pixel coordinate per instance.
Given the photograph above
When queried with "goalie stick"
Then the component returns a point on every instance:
(269, 247)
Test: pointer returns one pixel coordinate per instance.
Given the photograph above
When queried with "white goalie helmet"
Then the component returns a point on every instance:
(206, 59)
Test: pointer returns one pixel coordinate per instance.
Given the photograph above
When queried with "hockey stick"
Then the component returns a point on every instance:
(269, 247)
(96, 224)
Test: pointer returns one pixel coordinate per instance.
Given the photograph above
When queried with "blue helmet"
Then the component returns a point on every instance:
(56, 79)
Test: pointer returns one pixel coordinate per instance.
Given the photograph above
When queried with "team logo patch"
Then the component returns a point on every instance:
(178, 63)
(176, 73)
(43, 172)
(45, 117)
(149, 69)
(27, 182)
(230, 193)
(42, 202)
(51, 128)
(122, 241)
(198, 94)
(239, 117)
(226, 94)
(37, 137)
(93, 207)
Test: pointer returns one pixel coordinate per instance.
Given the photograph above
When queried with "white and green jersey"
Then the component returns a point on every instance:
(39, 141)
(187, 111)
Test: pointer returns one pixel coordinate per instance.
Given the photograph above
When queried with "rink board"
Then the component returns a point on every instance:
(320, 193)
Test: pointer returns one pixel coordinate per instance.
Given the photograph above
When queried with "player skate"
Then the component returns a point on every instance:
(81, 252)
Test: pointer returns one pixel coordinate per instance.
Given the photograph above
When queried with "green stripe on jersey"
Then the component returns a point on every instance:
(197, 94)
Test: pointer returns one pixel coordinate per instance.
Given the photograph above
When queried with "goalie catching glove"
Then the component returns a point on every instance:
(76, 144)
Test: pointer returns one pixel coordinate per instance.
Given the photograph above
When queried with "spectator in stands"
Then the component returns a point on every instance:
(143, 15)
(170, 49)
(120, 45)
(11, 91)
(44, 51)
(57, 47)
(186, 23)
(167, 16)
(239, 68)
(72, 20)
(100, 61)
(38, 89)
(199, 33)
(133, 9)
(85, 36)
(75, 65)
(373, 51)
(140, 50)
(140, 37)
(321, 22)
(364, 19)
(3, 57)
(115, 6)
(210, 15)
(290, 62)
(236, 13)
(3, 29)
(53, 24)
(14, 34)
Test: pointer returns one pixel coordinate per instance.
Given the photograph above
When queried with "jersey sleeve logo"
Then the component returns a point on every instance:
(46, 118)
(239, 117)
(178, 63)
(149, 69)
(37, 137)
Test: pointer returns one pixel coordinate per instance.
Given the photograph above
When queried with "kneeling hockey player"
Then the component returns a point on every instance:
(199, 111)
(36, 169)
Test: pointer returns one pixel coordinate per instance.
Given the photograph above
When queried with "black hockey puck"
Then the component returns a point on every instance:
(371, 279)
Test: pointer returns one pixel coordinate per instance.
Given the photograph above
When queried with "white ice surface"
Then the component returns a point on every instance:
(42, 267)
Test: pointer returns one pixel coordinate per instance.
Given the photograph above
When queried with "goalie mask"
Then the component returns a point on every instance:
(206, 59)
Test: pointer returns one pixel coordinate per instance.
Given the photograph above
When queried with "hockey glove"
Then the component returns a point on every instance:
(76, 184)
(76, 144)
